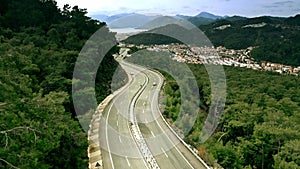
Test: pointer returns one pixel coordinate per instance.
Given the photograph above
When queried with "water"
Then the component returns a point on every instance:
(127, 30)
(124, 33)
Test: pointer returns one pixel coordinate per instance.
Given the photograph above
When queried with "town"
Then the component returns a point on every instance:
(219, 56)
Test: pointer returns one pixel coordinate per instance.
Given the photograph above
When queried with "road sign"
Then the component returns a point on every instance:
(98, 165)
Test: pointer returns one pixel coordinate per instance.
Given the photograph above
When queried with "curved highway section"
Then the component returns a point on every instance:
(133, 133)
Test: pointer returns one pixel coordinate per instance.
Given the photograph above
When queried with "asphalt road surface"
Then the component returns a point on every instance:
(137, 104)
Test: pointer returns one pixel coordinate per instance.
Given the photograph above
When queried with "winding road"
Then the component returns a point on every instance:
(133, 133)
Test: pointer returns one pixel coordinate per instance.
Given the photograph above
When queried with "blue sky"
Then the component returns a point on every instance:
(250, 8)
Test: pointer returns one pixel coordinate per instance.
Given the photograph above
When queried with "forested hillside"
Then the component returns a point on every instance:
(276, 39)
(39, 45)
(260, 126)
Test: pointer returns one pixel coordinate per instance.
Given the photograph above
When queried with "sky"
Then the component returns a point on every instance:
(248, 8)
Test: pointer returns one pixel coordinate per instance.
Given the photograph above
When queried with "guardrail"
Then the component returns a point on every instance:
(173, 131)
(94, 148)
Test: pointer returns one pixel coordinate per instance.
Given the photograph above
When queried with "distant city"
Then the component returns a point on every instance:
(218, 56)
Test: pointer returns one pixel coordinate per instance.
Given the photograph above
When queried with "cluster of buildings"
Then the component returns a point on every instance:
(220, 56)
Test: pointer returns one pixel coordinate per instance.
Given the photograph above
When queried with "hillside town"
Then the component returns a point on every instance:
(219, 56)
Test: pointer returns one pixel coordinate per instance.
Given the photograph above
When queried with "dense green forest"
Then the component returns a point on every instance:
(260, 126)
(150, 39)
(277, 39)
(39, 45)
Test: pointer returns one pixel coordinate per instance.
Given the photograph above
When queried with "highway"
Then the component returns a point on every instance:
(132, 132)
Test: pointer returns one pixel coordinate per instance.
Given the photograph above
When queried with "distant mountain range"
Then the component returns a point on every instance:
(162, 21)
(133, 20)
(108, 19)
(203, 15)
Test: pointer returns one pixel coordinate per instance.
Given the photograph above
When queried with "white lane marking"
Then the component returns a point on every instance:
(127, 161)
(107, 117)
(152, 134)
(164, 152)
(120, 139)
(157, 109)
(106, 135)
(118, 123)
(143, 110)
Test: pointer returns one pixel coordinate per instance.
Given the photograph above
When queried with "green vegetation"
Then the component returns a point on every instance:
(150, 39)
(39, 45)
(277, 41)
(260, 126)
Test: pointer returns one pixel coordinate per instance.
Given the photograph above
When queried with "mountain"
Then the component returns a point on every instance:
(117, 16)
(131, 21)
(200, 21)
(293, 20)
(276, 39)
(138, 20)
(163, 21)
(183, 16)
(235, 18)
(203, 18)
(202, 15)
(171, 33)
(100, 17)
(154, 36)
(108, 19)
(209, 16)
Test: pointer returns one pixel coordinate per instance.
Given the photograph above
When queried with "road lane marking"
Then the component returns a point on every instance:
(106, 135)
(143, 110)
(120, 139)
(118, 123)
(152, 134)
(127, 161)
(106, 128)
(157, 109)
(164, 152)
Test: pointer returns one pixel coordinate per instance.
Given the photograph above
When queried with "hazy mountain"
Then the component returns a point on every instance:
(117, 16)
(203, 18)
(131, 21)
(183, 16)
(100, 17)
(108, 19)
(200, 21)
(163, 21)
(209, 16)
